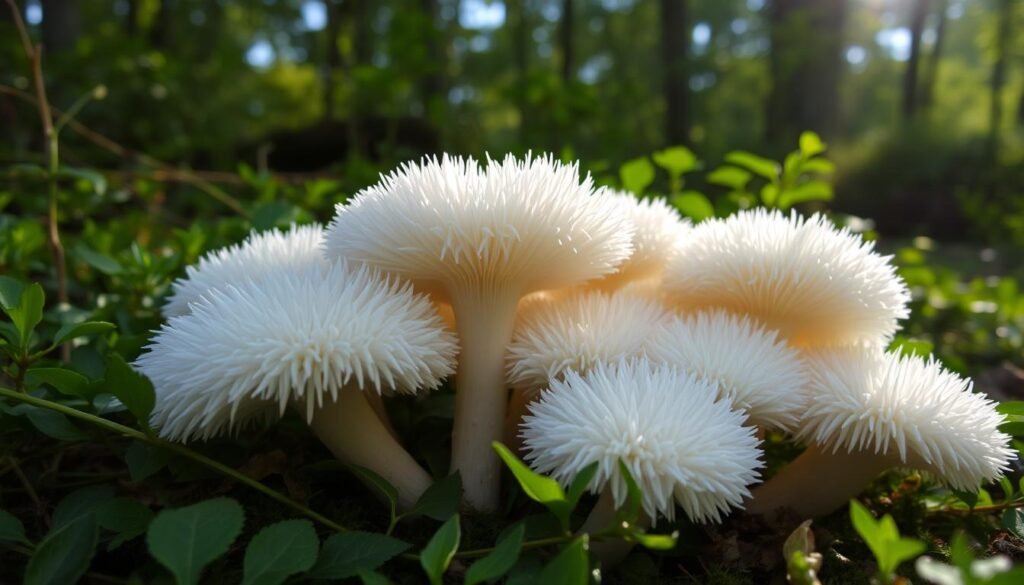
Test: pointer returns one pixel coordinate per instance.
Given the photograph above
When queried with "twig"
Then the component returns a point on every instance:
(35, 60)
(26, 484)
(991, 508)
(174, 448)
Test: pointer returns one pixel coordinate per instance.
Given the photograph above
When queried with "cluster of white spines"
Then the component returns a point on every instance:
(260, 253)
(576, 331)
(660, 232)
(680, 443)
(530, 219)
(815, 284)
(749, 364)
(292, 337)
(866, 400)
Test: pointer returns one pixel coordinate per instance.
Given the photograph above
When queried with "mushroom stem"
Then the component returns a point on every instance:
(485, 323)
(601, 518)
(819, 482)
(517, 409)
(376, 401)
(352, 431)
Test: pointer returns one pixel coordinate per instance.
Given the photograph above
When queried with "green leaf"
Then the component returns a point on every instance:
(634, 499)
(28, 313)
(10, 292)
(1013, 521)
(969, 498)
(441, 499)
(70, 331)
(734, 178)
(435, 557)
(1011, 407)
(655, 541)
(883, 538)
(347, 553)
(81, 502)
(144, 460)
(97, 180)
(372, 578)
(500, 560)
(693, 205)
(11, 529)
(537, 487)
(769, 194)
(677, 160)
(380, 485)
(636, 175)
(821, 166)
(811, 144)
(280, 551)
(763, 167)
(133, 389)
(272, 214)
(187, 539)
(570, 567)
(50, 423)
(64, 555)
(580, 483)
(67, 382)
(810, 191)
(101, 262)
(126, 518)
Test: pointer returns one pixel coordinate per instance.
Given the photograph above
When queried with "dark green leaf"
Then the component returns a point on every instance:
(1013, 521)
(10, 292)
(64, 555)
(125, 517)
(537, 487)
(272, 214)
(347, 553)
(11, 529)
(766, 168)
(441, 499)
(372, 578)
(101, 262)
(97, 180)
(280, 551)
(52, 423)
(634, 499)
(570, 567)
(435, 557)
(969, 498)
(693, 205)
(64, 381)
(636, 175)
(80, 503)
(380, 485)
(28, 313)
(133, 389)
(498, 561)
(187, 539)
(580, 483)
(1013, 428)
(144, 460)
(70, 331)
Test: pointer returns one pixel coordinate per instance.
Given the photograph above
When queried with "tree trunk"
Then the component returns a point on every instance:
(62, 24)
(521, 56)
(911, 99)
(675, 42)
(931, 73)
(806, 63)
(1005, 16)
(568, 47)
(434, 81)
(161, 34)
(332, 56)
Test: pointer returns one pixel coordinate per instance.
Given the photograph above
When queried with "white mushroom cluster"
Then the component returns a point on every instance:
(588, 326)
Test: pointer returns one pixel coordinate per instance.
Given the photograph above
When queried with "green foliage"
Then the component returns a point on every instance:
(538, 488)
(11, 529)
(966, 569)
(570, 567)
(64, 554)
(346, 554)
(500, 560)
(279, 551)
(437, 555)
(187, 539)
(884, 540)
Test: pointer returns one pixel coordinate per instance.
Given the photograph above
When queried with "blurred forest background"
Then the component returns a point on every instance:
(921, 101)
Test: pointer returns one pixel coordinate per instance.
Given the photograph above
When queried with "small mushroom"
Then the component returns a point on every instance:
(682, 444)
(481, 239)
(749, 364)
(872, 411)
(260, 253)
(315, 340)
(816, 285)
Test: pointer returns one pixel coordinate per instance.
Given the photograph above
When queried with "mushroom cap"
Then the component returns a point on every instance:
(576, 331)
(864, 399)
(679, 441)
(449, 225)
(260, 253)
(815, 284)
(289, 337)
(749, 364)
(660, 232)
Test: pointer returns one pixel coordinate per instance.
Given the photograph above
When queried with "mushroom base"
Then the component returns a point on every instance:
(350, 428)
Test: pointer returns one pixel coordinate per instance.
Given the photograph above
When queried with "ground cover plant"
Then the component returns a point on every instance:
(241, 382)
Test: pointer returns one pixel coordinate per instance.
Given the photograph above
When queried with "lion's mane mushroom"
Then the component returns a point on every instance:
(681, 443)
(482, 239)
(869, 412)
(814, 284)
(758, 372)
(260, 253)
(316, 340)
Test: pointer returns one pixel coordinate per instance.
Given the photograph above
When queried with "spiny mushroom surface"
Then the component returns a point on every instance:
(660, 232)
(815, 284)
(260, 253)
(872, 411)
(680, 442)
(315, 340)
(481, 239)
(749, 364)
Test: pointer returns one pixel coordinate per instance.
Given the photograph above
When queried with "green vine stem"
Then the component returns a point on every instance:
(173, 448)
